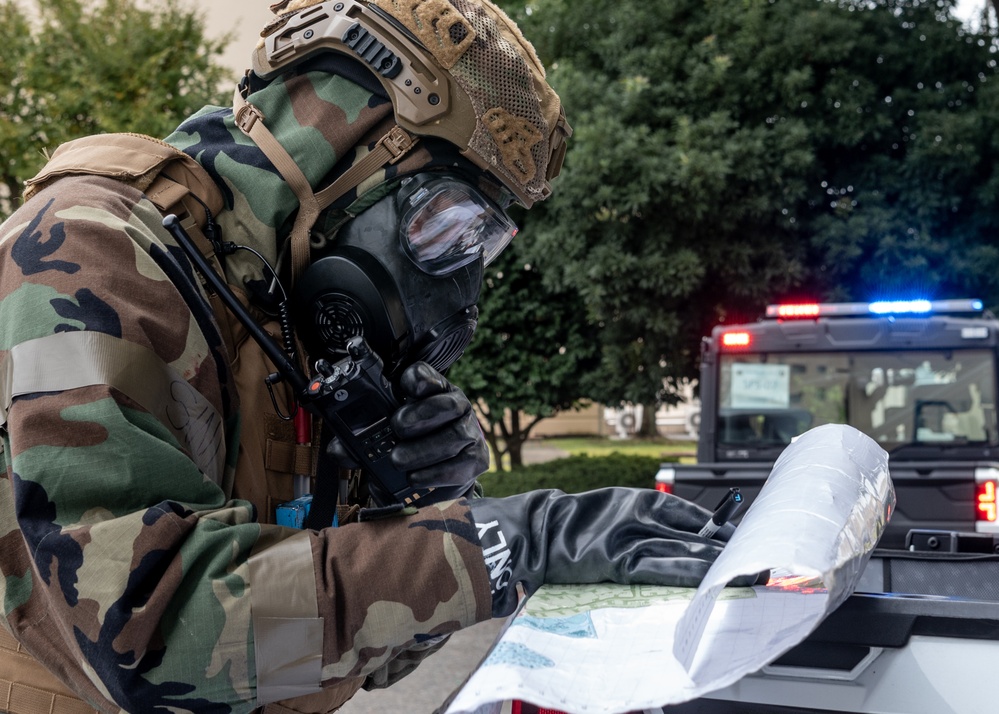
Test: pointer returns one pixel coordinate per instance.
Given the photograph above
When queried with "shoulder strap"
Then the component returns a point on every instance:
(134, 159)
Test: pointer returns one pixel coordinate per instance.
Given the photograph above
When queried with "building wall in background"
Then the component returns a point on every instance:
(245, 20)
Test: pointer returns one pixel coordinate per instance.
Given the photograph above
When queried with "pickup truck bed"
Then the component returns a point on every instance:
(877, 654)
(923, 639)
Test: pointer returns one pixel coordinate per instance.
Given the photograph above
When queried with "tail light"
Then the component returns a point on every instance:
(665, 479)
(986, 502)
(986, 511)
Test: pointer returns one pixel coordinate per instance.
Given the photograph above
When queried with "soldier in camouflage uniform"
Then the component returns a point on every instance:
(141, 567)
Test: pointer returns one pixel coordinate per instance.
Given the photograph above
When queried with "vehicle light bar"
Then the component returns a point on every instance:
(798, 311)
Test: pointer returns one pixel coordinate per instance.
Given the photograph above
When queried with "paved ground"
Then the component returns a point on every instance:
(428, 687)
(423, 691)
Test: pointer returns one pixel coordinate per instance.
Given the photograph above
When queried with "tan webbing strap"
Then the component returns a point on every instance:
(17, 697)
(172, 197)
(389, 149)
(250, 121)
(288, 458)
(70, 360)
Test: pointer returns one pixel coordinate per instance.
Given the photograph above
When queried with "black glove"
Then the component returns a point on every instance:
(621, 535)
(441, 444)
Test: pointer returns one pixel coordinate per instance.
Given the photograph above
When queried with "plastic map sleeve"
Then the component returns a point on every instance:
(611, 649)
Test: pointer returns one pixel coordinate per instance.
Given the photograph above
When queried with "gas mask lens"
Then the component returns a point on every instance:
(447, 223)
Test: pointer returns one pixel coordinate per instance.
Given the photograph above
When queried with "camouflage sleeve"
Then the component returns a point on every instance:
(125, 566)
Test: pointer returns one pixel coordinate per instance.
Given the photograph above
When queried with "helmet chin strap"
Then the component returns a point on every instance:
(391, 148)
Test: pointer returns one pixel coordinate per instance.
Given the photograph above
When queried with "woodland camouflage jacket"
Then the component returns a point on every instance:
(127, 567)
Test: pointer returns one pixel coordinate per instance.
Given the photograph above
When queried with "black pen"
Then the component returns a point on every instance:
(725, 510)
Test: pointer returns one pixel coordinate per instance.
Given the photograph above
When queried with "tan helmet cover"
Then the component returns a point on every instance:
(459, 70)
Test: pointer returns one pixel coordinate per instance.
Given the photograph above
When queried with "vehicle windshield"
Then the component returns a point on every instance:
(929, 397)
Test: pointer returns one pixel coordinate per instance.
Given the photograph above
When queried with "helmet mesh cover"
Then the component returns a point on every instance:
(500, 72)
(512, 134)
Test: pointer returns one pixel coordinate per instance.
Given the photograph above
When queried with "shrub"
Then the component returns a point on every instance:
(575, 474)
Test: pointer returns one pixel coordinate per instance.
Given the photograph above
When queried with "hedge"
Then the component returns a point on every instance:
(575, 474)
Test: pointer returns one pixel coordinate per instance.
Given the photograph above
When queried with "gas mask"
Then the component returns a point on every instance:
(405, 275)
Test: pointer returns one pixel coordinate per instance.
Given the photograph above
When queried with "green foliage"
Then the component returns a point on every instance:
(727, 155)
(575, 474)
(71, 68)
(531, 351)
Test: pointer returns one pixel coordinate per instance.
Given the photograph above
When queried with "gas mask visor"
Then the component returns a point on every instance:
(446, 223)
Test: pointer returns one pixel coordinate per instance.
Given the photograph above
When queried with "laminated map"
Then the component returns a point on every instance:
(611, 649)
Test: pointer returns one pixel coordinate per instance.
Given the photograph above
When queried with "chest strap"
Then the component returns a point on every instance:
(390, 149)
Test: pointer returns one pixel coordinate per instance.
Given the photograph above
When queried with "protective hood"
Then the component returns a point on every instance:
(327, 114)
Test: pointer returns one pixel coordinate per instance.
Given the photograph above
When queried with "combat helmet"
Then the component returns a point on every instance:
(457, 70)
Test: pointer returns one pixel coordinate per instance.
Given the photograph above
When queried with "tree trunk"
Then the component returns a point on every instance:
(495, 435)
(515, 442)
(505, 435)
(649, 429)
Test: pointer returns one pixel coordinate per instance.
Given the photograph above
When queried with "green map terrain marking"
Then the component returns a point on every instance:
(565, 600)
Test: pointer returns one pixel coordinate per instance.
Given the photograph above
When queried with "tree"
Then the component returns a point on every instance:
(726, 155)
(531, 351)
(71, 68)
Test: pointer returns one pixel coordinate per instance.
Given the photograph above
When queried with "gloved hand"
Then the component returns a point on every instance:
(441, 444)
(621, 535)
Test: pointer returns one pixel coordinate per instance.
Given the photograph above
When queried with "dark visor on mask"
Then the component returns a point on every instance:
(447, 223)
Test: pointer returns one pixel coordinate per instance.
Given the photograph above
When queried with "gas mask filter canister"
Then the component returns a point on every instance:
(405, 275)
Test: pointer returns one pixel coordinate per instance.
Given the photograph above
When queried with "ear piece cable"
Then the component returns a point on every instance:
(284, 320)
(284, 316)
(353, 397)
(283, 360)
(222, 248)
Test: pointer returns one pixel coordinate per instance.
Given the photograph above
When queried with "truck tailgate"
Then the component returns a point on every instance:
(887, 654)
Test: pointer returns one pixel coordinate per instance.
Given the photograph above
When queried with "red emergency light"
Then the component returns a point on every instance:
(986, 502)
(798, 311)
(736, 339)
